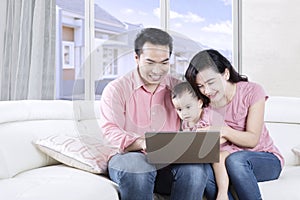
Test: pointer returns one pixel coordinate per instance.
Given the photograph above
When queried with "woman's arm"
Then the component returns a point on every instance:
(254, 125)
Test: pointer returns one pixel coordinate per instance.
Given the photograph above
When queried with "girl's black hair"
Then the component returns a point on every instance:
(181, 89)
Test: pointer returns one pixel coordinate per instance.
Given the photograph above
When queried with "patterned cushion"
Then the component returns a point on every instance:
(83, 152)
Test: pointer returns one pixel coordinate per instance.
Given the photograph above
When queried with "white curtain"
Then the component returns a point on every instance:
(27, 54)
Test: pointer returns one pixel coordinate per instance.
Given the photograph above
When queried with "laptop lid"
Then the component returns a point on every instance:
(183, 147)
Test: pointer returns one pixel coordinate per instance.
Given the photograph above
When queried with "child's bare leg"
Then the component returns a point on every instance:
(221, 177)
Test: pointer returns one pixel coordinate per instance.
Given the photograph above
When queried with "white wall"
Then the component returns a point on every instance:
(271, 45)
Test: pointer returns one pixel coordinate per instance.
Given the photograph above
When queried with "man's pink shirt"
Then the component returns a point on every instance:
(128, 109)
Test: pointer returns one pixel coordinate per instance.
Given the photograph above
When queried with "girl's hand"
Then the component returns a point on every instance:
(204, 129)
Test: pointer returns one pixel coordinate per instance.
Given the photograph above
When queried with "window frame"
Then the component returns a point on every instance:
(237, 34)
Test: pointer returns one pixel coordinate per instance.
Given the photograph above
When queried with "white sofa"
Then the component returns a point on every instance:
(28, 174)
(282, 117)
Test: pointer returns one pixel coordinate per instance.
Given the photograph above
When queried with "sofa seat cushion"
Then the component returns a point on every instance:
(286, 187)
(58, 182)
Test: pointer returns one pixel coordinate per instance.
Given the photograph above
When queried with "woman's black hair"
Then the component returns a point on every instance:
(210, 59)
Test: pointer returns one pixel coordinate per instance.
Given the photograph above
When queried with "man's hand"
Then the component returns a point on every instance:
(138, 145)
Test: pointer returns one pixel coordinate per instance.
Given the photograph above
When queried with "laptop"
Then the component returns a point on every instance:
(183, 147)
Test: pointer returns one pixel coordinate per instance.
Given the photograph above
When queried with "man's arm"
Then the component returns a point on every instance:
(112, 112)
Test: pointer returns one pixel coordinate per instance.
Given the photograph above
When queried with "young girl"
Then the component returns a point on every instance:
(188, 107)
(194, 117)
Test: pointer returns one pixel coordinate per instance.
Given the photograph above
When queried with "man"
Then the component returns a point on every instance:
(138, 102)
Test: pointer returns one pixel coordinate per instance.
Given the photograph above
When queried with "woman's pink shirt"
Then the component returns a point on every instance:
(235, 115)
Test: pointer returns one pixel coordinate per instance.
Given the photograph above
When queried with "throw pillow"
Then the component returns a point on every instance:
(83, 152)
(296, 150)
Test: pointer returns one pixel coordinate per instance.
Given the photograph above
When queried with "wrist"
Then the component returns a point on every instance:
(141, 143)
(225, 132)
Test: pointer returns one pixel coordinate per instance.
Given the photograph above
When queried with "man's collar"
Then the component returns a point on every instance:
(138, 81)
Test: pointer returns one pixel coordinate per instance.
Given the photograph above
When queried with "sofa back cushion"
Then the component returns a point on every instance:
(282, 118)
(23, 122)
(17, 150)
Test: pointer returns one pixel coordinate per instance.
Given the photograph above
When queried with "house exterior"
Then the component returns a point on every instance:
(70, 26)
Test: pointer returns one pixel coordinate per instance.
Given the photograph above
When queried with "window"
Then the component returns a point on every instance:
(194, 25)
(110, 62)
(70, 48)
(208, 23)
(68, 55)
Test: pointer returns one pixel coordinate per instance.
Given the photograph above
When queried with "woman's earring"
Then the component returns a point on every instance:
(227, 76)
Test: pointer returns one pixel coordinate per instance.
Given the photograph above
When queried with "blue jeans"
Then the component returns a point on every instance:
(137, 178)
(245, 169)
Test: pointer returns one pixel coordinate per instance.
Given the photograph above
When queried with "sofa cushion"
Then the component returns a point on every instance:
(286, 187)
(283, 121)
(17, 150)
(24, 121)
(83, 152)
(58, 182)
(282, 110)
(285, 137)
(27, 110)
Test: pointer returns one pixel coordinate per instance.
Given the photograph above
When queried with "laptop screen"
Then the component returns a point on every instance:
(183, 147)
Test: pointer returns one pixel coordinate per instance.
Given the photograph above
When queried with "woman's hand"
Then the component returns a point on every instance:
(222, 140)
(224, 131)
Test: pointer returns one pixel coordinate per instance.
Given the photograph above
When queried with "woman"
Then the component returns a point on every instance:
(253, 156)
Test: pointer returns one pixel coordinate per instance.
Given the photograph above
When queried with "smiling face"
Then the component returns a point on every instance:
(213, 84)
(188, 107)
(153, 63)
